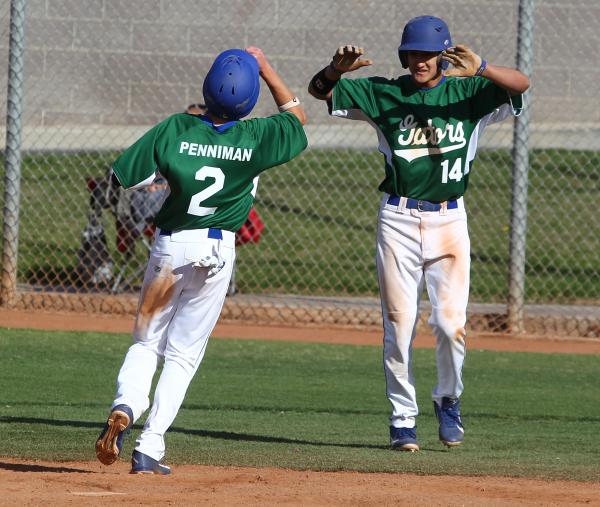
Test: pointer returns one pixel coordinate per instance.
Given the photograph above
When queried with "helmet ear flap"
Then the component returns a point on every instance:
(442, 64)
(403, 58)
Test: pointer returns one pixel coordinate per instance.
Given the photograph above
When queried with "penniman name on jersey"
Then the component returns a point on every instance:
(215, 151)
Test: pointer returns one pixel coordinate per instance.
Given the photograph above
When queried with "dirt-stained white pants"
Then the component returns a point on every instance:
(180, 303)
(417, 249)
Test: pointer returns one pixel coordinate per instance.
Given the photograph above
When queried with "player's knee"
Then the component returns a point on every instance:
(450, 322)
(397, 366)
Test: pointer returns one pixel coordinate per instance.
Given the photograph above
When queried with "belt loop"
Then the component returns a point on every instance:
(402, 205)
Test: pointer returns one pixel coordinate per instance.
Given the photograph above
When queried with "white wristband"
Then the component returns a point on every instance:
(288, 105)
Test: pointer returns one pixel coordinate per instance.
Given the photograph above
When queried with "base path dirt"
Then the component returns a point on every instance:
(121, 324)
(39, 483)
(90, 483)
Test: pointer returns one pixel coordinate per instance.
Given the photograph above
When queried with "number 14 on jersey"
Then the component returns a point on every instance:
(455, 172)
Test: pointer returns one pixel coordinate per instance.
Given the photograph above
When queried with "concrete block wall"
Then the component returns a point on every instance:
(132, 62)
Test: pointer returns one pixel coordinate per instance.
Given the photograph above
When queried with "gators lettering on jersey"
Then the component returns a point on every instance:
(210, 170)
(428, 136)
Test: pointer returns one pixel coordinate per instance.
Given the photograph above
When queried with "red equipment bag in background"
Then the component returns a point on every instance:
(251, 230)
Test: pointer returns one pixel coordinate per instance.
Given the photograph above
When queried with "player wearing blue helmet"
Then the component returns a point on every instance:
(231, 86)
(212, 163)
(427, 34)
(428, 124)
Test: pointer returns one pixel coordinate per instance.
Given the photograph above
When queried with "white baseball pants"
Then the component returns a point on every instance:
(180, 303)
(417, 249)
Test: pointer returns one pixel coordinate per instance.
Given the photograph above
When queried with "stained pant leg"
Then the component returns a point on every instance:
(400, 275)
(158, 301)
(447, 278)
(197, 314)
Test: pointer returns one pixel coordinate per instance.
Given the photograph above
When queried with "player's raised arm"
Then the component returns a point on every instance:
(283, 96)
(346, 59)
(467, 63)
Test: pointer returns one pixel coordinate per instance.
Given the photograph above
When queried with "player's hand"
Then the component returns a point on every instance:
(260, 58)
(347, 58)
(465, 62)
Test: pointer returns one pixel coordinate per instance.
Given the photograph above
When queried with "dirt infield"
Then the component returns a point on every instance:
(94, 484)
(90, 483)
(124, 324)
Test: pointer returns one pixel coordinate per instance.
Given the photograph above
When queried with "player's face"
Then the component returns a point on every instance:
(424, 69)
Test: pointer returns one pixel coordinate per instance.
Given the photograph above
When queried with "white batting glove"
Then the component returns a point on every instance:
(466, 63)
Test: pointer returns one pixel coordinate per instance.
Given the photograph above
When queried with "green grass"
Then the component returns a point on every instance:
(320, 215)
(307, 406)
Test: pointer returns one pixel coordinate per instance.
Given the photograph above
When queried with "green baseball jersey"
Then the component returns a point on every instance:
(211, 170)
(428, 136)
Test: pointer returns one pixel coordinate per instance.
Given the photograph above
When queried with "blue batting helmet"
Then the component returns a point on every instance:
(231, 86)
(424, 33)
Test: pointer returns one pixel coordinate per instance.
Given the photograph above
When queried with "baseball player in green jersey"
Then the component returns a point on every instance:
(212, 164)
(428, 124)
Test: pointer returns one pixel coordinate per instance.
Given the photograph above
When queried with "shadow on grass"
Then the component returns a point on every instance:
(475, 415)
(221, 435)
(230, 435)
(23, 467)
(207, 406)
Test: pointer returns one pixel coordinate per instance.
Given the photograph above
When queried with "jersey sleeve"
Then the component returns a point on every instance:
(353, 99)
(280, 138)
(138, 163)
(489, 97)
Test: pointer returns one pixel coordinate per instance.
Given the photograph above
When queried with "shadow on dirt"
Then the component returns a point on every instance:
(24, 467)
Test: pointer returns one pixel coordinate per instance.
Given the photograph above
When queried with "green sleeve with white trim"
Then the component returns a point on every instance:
(487, 96)
(355, 94)
(280, 138)
(140, 161)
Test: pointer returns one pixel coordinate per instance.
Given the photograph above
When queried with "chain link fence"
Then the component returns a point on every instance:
(99, 73)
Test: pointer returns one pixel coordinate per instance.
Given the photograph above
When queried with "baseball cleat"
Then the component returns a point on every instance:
(404, 439)
(452, 432)
(144, 464)
(110, 441)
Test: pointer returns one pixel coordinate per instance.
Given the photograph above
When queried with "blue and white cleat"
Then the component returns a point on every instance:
(110, 441)
(404, 439)
(452, 432)
(144, 464)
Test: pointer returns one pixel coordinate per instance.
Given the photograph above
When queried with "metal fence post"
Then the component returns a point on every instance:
(520, 161)
(13, 153)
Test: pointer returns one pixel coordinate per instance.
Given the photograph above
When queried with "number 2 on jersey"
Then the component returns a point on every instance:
(196, 200)
(455, 172)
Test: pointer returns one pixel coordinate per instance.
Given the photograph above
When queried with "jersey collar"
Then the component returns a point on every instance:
(218, 128)
(443, 80)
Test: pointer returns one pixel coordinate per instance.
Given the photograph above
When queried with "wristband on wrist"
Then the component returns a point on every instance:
(481, 68)
(333, 69)
(321, 83)
(288, 105)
